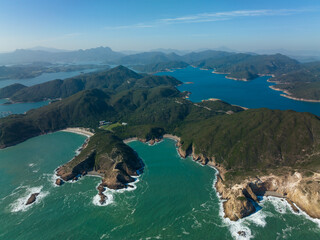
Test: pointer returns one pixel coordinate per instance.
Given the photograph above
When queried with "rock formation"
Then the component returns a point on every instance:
(32, 198)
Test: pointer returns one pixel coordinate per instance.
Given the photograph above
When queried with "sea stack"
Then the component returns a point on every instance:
(32, 198)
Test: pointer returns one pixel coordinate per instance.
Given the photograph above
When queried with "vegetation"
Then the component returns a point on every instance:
(304, 83)
(107, 155)
(244, 142)
(115, 80)
(111, 126)
(160, 67)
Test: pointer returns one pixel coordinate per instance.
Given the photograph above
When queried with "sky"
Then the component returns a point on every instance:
(245, 25)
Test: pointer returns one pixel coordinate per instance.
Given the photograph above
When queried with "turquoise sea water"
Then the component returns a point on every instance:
(252, 94)
(174, 199)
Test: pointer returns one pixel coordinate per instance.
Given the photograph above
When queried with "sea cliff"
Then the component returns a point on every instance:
(300, 190)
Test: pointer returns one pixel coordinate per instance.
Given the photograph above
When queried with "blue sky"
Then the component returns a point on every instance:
(147, 24)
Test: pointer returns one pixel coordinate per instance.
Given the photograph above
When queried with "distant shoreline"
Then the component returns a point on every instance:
(287, 94)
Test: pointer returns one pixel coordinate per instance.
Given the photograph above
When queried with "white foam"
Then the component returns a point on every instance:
(110, 193)
(280, 204)
(284, 205)
(52, 178)
(31, 164)
(109, 199)
(20, 203)
(234, 226)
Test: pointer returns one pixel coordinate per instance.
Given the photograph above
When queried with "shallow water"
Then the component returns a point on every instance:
(251, 94)
(174, 199)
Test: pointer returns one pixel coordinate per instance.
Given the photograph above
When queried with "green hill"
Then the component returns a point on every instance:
(245, 65)
(8, 91)
(304, 83)
(116, 79)
(107, 155)
(244, 142)
(160, 67)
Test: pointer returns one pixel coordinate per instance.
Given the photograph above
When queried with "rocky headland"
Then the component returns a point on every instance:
(107, 156)
(302, 191)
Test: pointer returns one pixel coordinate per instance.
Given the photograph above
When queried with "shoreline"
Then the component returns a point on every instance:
(80, 131)
(217, 99)
(287, 94)
(225, 193)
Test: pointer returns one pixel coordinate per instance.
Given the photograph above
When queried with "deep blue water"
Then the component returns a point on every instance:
(252, 94)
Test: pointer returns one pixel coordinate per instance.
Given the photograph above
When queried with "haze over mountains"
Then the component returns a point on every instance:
(107, 55)
(237, 66)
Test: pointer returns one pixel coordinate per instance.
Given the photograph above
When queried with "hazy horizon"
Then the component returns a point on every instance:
(144, 25)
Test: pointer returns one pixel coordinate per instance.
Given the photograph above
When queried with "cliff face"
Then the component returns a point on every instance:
(239, 198)
(303, 191)
(107, 156)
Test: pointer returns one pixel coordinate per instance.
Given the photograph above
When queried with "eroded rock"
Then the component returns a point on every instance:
(32, 198)
(59, 182)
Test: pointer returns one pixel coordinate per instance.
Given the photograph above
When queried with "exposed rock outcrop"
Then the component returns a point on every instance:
(59, 182)
(32, 198)
(103, 197)
(107, 156)
(297, 189)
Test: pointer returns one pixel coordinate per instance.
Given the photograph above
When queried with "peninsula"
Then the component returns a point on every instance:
(254, 150)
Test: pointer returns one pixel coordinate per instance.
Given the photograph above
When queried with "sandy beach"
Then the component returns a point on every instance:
(81, 131)
(130, 140)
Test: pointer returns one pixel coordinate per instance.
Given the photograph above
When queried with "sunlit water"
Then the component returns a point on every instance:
(174, 199)
(251, 94)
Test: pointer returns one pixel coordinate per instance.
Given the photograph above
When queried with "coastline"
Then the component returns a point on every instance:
(270, 185)
(81, 131)
(217, 99)
(287, 94)
(237, 79)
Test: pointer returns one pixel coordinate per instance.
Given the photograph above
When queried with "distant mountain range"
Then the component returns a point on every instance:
(23, 56)
(304, 78)
(107, 55)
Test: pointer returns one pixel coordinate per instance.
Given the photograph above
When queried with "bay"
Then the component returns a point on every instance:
(251, 94)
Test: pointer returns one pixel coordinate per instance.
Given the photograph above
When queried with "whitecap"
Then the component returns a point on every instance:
(109, 199)
(235, 227)
(20, 203)
(110, 193)
(285, 205)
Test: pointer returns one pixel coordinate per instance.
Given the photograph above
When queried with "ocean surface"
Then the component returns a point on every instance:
(251, 94)
(6, 110)
(173, 199)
